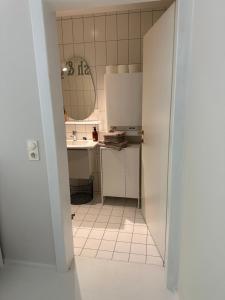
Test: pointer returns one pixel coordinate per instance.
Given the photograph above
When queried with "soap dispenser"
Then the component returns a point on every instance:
(95, 134)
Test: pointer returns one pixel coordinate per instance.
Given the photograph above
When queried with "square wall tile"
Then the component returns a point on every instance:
(146, 22)
(68, 51)
(123, 58)
(111, 50)
(122, 26)
(135, 51)
(89, 51)
(134, 25)
(100, 71)
(88, 29)
(79, 50)
(100, 28)
(78, 30)
(61, 53)
(100, 53)
(67, 31)
(101, 102)
(111, 28)
(59, 31)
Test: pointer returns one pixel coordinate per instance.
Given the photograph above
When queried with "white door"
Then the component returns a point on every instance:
(157, 86)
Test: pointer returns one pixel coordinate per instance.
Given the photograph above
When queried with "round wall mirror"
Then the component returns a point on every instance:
(78, 89)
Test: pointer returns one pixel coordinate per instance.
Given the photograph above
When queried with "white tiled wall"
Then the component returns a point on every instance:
(103, 39)
(106, 39)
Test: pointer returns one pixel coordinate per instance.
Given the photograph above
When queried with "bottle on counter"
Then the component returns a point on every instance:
(95, 134)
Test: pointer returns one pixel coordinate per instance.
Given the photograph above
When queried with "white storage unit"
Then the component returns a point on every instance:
(123, 99)
(120, 172)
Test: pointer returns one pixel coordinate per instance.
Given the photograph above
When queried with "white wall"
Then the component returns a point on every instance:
(49, 83)
(25, 221)
(202, 269)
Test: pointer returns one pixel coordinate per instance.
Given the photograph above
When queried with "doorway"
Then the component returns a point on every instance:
(124, 206)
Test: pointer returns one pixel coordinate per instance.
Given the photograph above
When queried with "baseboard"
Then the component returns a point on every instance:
(10, 262)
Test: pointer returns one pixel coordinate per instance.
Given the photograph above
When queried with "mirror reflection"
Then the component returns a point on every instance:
(78, 89)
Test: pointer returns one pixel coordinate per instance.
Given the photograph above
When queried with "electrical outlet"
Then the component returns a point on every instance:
(33, 150)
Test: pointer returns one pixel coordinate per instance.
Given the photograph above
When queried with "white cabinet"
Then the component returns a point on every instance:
(123, 99)
(120, 172)
(113, 173)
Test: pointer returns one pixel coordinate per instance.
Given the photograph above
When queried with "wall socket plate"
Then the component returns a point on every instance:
(33, 150)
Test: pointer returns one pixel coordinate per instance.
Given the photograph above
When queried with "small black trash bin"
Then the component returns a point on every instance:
(81, 191)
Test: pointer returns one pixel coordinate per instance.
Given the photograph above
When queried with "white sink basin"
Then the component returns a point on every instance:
(81, 144)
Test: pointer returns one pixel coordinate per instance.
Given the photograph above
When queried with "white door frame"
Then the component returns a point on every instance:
(182, 45)
(57, 162)
(43, 22)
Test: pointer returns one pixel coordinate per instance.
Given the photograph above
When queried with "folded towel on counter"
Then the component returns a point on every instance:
(115, 140)
(116, 146)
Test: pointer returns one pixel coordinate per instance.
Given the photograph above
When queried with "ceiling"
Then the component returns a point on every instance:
(64, 7)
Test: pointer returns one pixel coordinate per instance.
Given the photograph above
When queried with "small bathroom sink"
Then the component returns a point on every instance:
(81, 144)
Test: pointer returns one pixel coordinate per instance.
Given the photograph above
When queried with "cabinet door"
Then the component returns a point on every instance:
(113, 172)
(132, 169)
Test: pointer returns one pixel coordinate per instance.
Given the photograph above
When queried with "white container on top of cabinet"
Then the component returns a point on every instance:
(120, 172)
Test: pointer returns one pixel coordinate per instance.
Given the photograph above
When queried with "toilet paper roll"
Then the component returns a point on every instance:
(123, 69)
(111, 69)
(134, 68)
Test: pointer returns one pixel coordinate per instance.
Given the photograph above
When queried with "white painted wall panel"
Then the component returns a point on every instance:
(202, 271)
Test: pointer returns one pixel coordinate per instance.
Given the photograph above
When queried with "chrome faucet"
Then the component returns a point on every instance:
(74, 135)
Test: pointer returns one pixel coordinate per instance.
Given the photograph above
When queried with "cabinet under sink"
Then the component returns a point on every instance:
(81, 158)
(120, 172)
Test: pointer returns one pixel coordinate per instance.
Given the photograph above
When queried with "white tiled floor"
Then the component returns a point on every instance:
(115, 231)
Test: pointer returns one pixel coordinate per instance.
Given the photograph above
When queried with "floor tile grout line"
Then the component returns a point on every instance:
(119, 229)
(123, 207)
(104, 232)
